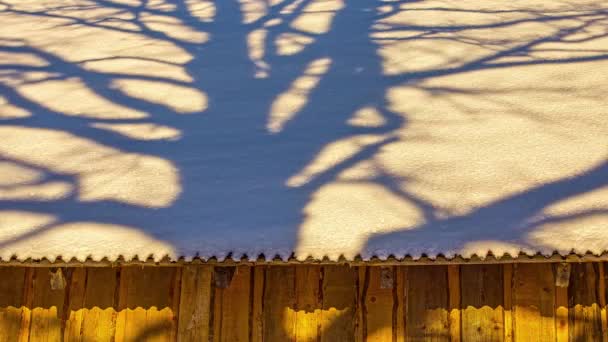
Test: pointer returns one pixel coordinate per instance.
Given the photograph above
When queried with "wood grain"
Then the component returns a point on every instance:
(427, 304)
(308, 303)
(534, 302)
(339, 301)
(379, 306)
(47, 307)
(477, 302)
(195, 303)
(279, 304)
(584, 312)
(12, 306)
(482, 303)
(231, 313)
(455, 300)
(145, 304)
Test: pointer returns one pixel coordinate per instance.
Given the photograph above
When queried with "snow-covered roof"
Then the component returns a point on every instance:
(302, 128)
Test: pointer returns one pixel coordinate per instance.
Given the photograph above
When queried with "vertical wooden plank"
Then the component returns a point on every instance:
(257, 303)
(427, 304)
(195, 303)
(482, 302)
(231, 308)
(378, 306)
(584, 313)
(145, 303)
(401, 300)
(507, 270)
(602, 298)
(28, 299)
(47, 307)
(11, 302)
(308, 302)
(561, 314)
(176, 297)
(561, 311)
(534, 302)
(99, 313)
(75, 315)
(279, 303)
(339, 301)
(361, 288)
(454, 299)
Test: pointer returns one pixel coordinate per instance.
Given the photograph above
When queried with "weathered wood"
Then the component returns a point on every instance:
(562, 274)
(195, 303)
(231, 312)
(12, 309)
(308, 303)
(601, 292)
(359, 318)
(339, 302)
(257, 303)
(279, 304)
(75, 297)
(145, 304)
(378, 305)
(584, 315)
(28, 300)
(427, 304)
(305, 303)
(47, 307)
(561, 304)
(507, 285)
(482, 303)
(99, 310)
(454, 303)
(401, 304)
(534, 302)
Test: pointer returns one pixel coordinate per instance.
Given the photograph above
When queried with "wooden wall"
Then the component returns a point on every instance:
(488, 302)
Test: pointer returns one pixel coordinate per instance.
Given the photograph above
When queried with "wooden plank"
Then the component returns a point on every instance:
(176, 297)
(308, 302)
(533, 302)
(339, 302)
(231, 308)
(561, 310)
(427, 304)
(585, 322)
(28, 299)
(482, 303)
(602, 299)
(47, 306)
(257, 304)
(508, 301)
(279, 303)
(538, 314)
(145, 304)
(195, 303)
(401, 301)
(75, 298)
(99, 313)
(361, 287)
(454, 300)
(378, 301)
(12, 289)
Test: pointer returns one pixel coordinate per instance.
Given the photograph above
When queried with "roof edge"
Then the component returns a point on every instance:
(262, 260)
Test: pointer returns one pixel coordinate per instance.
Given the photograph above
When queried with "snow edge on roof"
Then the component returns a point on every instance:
(229, 259)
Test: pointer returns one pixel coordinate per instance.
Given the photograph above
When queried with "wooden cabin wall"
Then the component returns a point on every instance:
(489, 302)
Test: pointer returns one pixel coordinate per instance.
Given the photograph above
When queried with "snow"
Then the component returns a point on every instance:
(319, 129)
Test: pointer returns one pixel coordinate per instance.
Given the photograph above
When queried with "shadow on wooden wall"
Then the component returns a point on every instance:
(487, 302)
